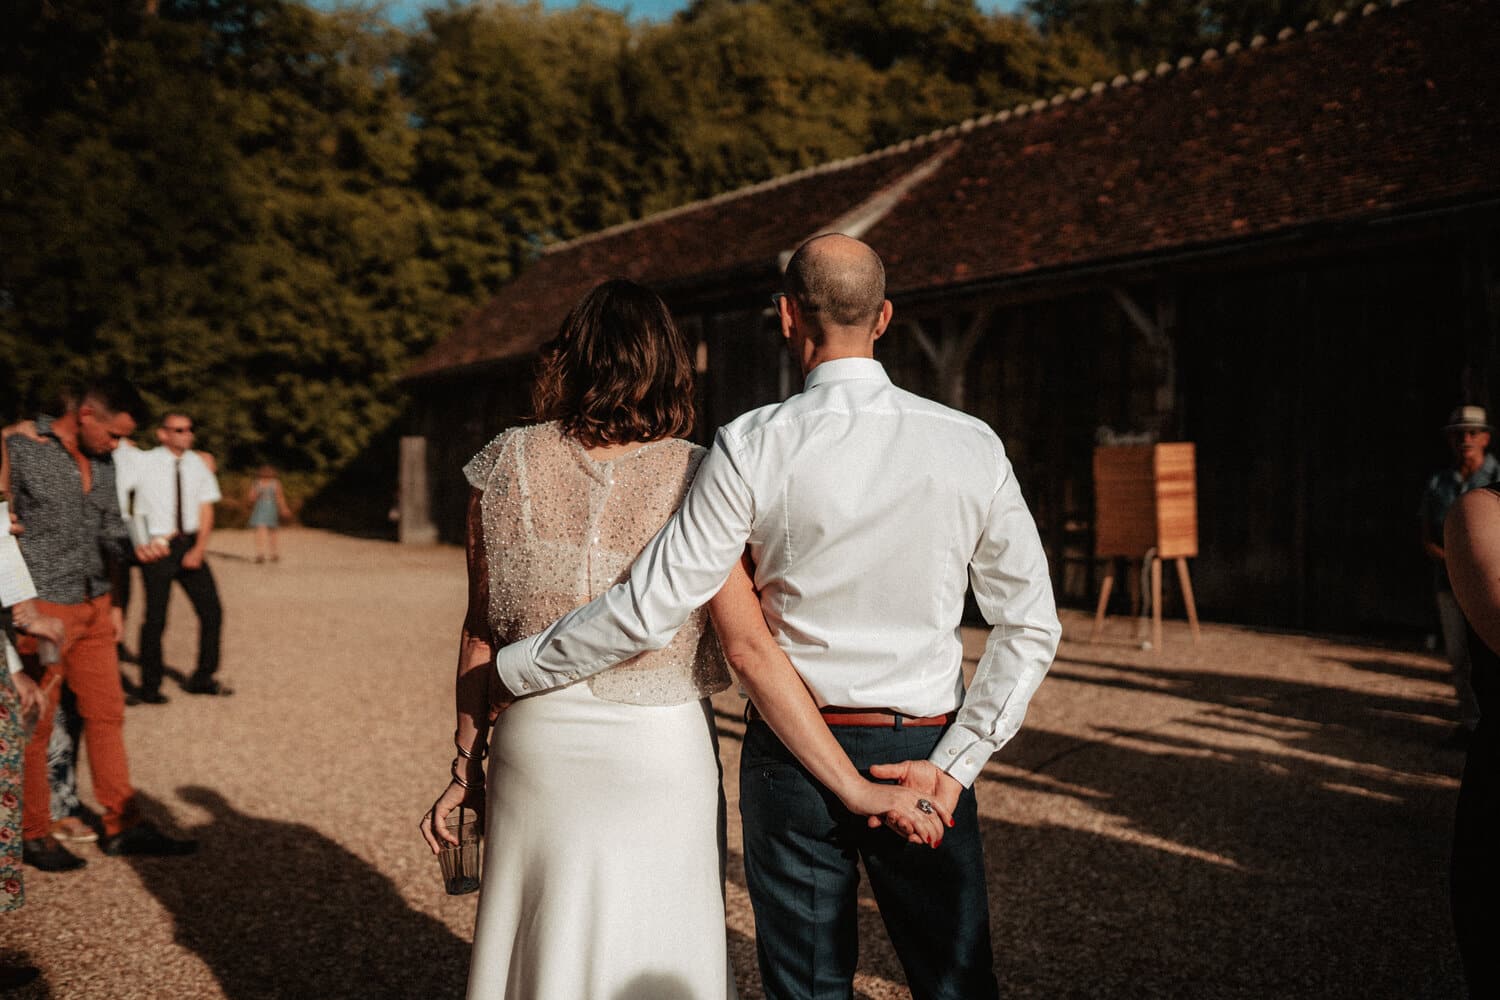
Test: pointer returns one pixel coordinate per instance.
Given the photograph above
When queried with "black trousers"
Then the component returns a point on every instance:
(802, 855)
(199, 586)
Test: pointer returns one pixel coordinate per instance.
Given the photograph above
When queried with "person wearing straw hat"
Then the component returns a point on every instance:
(1468, 431)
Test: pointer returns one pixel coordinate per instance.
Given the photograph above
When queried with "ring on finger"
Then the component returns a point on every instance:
(924, 806)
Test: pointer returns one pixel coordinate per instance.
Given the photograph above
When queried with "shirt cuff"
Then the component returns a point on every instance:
(13, 662)
(516, 664)
(961, 755)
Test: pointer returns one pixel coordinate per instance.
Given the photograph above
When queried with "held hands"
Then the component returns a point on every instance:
(927, 781)
(901, 810)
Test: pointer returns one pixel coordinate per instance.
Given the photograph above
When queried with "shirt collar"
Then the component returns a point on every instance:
(845, 370)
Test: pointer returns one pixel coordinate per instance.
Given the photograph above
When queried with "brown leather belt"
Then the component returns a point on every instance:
(880, 717)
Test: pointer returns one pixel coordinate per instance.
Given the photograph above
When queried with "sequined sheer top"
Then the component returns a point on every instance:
(560, 528)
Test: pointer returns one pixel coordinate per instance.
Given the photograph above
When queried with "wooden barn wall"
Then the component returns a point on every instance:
(744, 353)
(1315, 393)
(1316, 396)
(458, 416)
(1045, 376)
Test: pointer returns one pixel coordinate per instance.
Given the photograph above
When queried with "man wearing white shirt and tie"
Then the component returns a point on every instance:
(177, 492)
(866, 510)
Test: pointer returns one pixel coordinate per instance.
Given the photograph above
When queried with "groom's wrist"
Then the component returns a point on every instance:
(514, 664)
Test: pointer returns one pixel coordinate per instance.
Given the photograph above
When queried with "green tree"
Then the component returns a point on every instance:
(263, 212)
(1136, 33)
(522, 136)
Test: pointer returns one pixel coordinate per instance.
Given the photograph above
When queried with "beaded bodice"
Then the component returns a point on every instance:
(560, 528)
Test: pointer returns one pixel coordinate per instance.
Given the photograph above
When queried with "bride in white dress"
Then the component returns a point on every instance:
(604, 818)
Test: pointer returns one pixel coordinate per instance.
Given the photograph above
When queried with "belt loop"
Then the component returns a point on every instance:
(898, 724)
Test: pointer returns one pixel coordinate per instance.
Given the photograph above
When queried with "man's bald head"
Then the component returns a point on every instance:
(838, 280)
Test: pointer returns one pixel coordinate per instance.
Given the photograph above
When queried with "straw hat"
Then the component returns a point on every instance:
(1468, 418)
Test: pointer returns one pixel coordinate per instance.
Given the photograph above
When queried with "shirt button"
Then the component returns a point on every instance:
(969, 761)
(525, 686)
(952, 752)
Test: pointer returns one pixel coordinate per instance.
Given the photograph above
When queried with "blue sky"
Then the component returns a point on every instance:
(405, 11)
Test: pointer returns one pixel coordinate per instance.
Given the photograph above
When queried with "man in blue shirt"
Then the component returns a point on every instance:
(1473, 467)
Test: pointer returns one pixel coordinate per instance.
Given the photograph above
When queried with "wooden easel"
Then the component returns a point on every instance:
(1146, 506)
(1184, 579)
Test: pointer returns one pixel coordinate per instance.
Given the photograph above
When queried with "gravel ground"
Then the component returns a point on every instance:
(1261, 815)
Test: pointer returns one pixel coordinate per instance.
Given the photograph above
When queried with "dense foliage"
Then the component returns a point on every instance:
(263, 212)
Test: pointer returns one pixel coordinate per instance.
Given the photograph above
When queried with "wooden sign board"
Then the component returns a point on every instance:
(1146, 496)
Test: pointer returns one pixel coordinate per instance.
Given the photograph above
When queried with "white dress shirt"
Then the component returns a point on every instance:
(154, 479)
(866, 509)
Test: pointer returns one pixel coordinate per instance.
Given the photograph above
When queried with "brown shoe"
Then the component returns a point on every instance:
(72, 830)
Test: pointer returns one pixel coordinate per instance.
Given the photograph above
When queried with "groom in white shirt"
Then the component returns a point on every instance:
(866, 511)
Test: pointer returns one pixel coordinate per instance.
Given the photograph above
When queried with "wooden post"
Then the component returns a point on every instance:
(1186, 583)
(416, 527)
(949, 353)
(1104, 589)
(1156, 603)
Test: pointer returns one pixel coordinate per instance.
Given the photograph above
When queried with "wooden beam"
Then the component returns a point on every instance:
(934, 356)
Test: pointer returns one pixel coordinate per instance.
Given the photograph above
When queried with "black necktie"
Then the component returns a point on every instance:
(180, 529)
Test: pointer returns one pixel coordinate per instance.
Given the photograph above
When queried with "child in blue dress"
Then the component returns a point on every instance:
(268, 510)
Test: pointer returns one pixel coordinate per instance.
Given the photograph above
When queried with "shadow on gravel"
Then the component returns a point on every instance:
(276, 909)
(1438, 671)
(38, 988)
(1198, 872)
(1370, 714)
(1278, 838)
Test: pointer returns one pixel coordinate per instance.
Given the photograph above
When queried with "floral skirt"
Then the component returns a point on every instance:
(12, 749)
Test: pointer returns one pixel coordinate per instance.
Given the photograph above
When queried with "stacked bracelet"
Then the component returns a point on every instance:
(484, 751)
(453, 770)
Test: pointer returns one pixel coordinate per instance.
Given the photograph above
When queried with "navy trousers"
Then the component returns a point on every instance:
(802, 855)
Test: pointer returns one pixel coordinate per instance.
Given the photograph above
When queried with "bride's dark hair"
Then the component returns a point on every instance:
(618, 370)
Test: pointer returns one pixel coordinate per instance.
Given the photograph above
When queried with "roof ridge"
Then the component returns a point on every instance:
(1163, 68)
(828, 166)
(1021, 110)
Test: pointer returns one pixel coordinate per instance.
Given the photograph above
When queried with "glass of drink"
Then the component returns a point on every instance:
(460, 862)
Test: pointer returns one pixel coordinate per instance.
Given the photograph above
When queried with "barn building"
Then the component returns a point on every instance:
(1284, 252)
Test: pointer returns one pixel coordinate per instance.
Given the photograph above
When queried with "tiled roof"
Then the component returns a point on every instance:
(1375, 113)
(1383, 112)
(712, 240)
